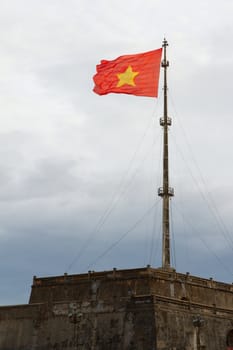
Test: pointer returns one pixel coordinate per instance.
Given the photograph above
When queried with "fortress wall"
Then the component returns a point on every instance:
(120, 310)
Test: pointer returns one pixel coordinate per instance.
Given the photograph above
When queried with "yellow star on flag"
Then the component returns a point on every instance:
(127, 77)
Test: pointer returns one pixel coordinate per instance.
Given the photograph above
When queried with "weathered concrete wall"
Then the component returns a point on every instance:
(181, 330)
(106, 285)
(124, 324)
(140, 309)
(132, 282)
(17, 326)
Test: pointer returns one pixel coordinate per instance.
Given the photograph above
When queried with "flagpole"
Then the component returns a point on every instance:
(165, 192)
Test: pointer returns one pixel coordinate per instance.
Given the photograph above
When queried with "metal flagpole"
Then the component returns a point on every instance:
(165, 192)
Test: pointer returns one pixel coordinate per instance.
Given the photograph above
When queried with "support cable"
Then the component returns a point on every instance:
(213, 212)
(114, 244)
(204, 243)
(121, 189)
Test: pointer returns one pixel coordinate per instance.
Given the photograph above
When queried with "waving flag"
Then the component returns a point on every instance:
(130, 74)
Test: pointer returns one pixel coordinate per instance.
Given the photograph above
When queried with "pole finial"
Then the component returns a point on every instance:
(165, 43)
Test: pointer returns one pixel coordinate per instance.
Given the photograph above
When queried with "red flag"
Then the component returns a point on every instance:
(130, 74)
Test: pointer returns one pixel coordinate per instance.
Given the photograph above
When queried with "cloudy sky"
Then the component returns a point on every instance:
(79, 172)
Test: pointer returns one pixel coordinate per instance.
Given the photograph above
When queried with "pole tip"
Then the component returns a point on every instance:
(165, 43)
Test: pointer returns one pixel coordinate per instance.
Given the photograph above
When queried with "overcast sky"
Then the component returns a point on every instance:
(79, 172)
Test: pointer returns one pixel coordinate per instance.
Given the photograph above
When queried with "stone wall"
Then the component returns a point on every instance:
(138, 309)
